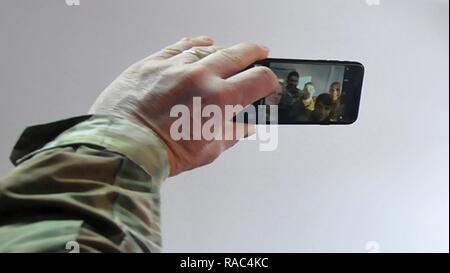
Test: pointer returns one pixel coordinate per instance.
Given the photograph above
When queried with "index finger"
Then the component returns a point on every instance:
(250, 86)
(182, 45)
(229, 61)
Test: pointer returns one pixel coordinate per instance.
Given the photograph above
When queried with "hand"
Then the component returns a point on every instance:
(148, 89)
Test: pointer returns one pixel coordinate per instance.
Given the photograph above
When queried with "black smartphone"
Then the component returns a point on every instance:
(311, 92)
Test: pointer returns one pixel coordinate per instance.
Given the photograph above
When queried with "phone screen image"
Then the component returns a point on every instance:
(313, 92)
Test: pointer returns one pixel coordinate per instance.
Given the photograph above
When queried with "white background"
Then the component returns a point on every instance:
(383, 179)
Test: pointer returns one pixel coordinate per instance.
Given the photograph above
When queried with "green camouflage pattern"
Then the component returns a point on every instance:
(88, 184)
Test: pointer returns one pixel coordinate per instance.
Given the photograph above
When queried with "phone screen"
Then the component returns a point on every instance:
(313, 92)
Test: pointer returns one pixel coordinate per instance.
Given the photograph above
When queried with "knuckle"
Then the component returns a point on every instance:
(198, 78)
(198, 73)
(171, 50)
(187, 40)
(231, 56)
(217, 93)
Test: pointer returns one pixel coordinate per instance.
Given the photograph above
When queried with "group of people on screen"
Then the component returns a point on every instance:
(303, 105)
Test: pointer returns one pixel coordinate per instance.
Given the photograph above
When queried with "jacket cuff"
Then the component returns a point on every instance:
(138, 143)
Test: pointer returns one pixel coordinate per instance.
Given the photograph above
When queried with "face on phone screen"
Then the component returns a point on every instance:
(314, 92)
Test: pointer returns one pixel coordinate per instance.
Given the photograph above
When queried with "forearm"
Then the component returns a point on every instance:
(97, 184)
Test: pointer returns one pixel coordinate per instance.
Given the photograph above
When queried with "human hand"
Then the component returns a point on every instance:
(192, 67)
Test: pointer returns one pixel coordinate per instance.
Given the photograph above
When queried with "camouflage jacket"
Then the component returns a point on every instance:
(89, 184)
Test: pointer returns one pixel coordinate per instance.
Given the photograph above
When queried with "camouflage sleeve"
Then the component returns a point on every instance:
(89, 183)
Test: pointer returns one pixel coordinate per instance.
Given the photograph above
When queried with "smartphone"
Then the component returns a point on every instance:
(321, 92)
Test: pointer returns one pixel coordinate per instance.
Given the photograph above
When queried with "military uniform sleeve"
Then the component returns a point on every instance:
(88, 184)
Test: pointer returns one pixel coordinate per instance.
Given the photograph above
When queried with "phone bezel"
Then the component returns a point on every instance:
(355, 81)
